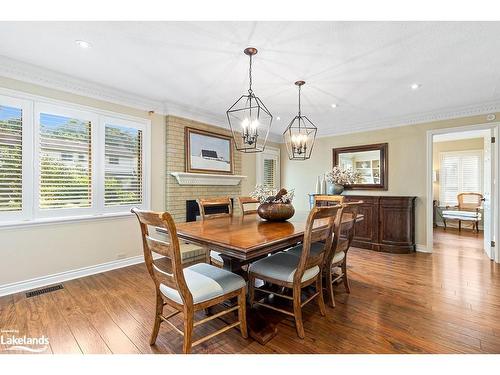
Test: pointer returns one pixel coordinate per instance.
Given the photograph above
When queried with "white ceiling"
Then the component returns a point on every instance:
(199, 68)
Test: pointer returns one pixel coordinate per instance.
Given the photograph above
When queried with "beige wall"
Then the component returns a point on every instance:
(42, 250)
(458, 145)
(407, 163)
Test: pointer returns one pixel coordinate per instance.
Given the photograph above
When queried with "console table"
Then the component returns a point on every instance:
(388, 225)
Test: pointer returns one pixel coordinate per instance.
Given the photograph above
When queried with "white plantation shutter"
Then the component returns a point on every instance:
(269, 173)
(65, 151)
(460, 172)
(11, 166)
(123, 166)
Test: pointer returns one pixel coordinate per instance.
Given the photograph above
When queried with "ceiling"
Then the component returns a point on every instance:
(198, 69)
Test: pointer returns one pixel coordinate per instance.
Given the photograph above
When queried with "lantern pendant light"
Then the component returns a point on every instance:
(248, 117)
(300, 134)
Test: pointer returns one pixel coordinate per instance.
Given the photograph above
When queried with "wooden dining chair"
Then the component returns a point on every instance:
(297, 272)
(337, 258)
(187, 290)
(328, 200)
(213, 257)
(242, 201)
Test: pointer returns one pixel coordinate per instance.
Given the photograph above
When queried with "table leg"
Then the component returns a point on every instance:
(259, 328)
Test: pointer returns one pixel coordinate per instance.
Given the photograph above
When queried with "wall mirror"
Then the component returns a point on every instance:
(370, 161)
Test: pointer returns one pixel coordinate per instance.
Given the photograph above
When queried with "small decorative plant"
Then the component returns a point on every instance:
(342, 176)
(269, 195)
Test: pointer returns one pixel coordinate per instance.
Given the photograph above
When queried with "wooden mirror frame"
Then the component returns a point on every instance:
(384, 168)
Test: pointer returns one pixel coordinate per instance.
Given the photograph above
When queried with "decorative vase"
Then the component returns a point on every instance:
(323, 185)
(334, 189)
(276, 211)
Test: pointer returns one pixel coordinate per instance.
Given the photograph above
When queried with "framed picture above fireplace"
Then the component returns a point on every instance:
(208, 152)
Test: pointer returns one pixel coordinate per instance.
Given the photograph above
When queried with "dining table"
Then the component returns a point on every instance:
(241, 240)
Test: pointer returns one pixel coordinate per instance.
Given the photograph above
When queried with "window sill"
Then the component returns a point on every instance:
(62, 220)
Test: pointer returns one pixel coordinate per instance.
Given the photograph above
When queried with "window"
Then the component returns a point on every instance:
(65, 182)
(60, 161)
(123, 181)
(11, 174)
(268, 164)
(460, 172)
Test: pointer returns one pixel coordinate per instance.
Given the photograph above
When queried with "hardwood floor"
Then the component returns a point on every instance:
(445, 302)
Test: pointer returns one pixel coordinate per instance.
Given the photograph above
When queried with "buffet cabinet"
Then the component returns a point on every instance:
(388, 224)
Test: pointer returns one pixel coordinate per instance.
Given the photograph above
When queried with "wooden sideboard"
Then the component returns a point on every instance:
(388, 225)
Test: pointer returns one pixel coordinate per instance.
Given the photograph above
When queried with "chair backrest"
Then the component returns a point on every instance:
(211, 202)
(331, 217)
(328, 200)
(349, 217)
(469, 201)
(173, 277)
(242, 201)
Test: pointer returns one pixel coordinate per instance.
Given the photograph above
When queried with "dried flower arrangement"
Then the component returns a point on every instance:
(341, 176)
(269, 195)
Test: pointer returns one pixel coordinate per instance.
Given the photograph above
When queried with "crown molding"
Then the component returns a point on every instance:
(426, 117)
(25, 72)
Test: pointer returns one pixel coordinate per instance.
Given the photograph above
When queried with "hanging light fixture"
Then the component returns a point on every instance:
(300, 134)
(248, 118)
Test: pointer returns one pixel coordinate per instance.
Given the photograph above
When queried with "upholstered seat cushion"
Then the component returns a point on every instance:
(461, 215)
(205, 282)
(281, 266)
(216, 256)
(316, 248)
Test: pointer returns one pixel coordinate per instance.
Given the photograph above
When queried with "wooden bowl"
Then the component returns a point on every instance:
(276, 211)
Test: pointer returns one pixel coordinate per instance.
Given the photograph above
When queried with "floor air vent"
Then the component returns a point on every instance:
(48, 289)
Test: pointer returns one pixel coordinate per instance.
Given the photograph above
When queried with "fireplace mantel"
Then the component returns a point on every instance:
(185, 178)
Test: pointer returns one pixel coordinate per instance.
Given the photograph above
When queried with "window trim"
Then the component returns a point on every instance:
(443, 154)
(259, 173)
(32, 106)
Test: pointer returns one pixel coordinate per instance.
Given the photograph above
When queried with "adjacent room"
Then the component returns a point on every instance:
(249, 187)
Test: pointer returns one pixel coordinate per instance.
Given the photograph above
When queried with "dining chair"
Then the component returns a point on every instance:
(213, 257)
(297, 272)
(328, 200)
(468, 209)
(337, 258)
(187, 290)
(242, 201)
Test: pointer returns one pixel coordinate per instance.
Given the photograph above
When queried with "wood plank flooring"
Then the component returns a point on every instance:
(445, 302)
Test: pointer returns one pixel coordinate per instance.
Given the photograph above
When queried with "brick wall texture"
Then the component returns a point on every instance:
(176, 195)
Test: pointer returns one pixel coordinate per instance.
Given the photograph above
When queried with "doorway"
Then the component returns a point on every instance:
(462, 194)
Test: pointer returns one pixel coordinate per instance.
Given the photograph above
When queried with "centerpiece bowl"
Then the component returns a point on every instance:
(276, 211)
(274, 205)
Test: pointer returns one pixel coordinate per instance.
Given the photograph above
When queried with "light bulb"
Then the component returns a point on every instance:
(245, 123)
(254, 124)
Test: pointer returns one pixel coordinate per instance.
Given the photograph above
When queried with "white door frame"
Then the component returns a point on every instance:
(495, 225)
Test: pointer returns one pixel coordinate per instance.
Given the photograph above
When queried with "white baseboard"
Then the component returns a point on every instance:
(423, 249)
(39, 282)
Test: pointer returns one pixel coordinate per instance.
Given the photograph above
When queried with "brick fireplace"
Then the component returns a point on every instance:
(177, 195)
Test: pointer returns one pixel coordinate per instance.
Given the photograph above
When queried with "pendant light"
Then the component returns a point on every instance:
(300, 134)
(248, 117)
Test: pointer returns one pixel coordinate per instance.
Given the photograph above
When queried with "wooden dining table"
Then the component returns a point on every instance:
(244, 239)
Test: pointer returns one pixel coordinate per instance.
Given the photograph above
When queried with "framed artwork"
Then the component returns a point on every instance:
(208, 152)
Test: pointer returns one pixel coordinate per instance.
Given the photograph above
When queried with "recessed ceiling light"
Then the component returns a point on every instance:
(278, 118)
(82, 44)
(415, 86)
(334, 105)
